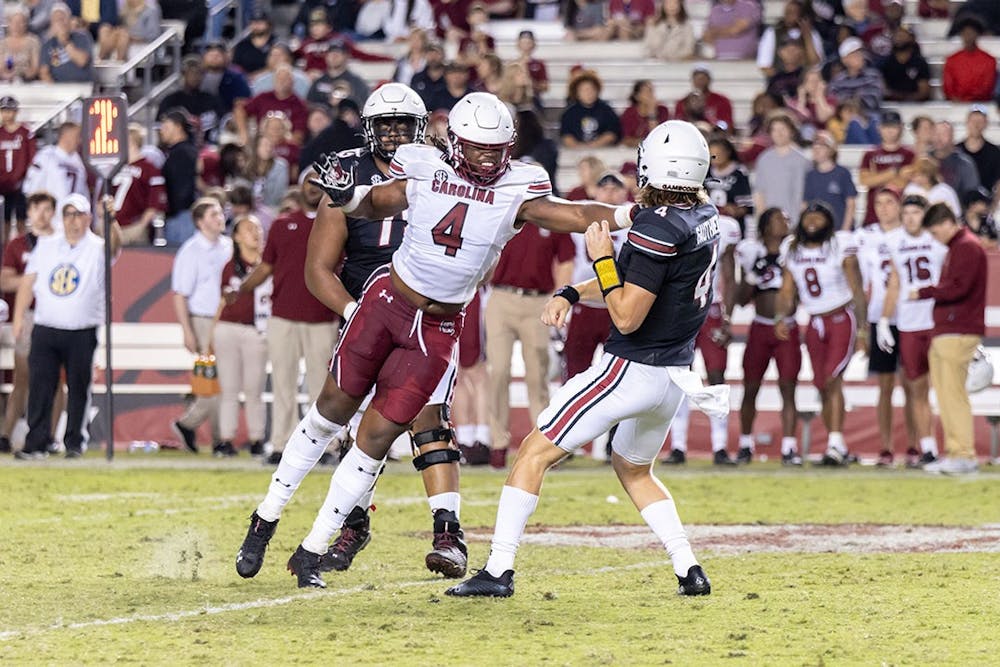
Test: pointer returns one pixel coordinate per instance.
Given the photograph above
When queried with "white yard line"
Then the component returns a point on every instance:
(267, 603)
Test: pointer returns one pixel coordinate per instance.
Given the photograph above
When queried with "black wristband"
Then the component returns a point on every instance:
(569, 293)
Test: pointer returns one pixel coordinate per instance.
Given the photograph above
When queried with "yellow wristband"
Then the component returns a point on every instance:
(607, 274)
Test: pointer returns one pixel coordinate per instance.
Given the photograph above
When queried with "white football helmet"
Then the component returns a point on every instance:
(392, 100)
(482, 121)
(674, 156)
(980, 371)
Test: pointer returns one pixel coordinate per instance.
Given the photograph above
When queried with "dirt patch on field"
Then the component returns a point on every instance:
(803, 538)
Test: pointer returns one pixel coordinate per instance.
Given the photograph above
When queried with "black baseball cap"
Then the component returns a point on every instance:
(259, 15)
(976, 196)
(891, 117)
(8, 102)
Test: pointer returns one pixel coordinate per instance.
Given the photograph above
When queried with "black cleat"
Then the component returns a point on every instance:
(449, 556)
(721, 458)
(484, 584)
(354, 536)
(833, 458)
(224, 450)
(5, 447)
(476, 454)
(675, 458)
(927, 457)
(695, 583)
(791, 459)
(744, 456)
(250, 557)
(274, 459)
(305, 565)
(186, 435)
(73, 454)
(257, 449)
(31, 454)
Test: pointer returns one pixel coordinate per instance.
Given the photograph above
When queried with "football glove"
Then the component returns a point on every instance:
(883, 336)
(332, 179)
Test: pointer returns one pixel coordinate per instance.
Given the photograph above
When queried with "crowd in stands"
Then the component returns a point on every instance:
(249, 118)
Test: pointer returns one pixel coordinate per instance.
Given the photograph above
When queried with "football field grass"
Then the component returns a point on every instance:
(133, 563)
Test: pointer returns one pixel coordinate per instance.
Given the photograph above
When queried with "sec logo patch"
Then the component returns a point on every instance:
(64, 280)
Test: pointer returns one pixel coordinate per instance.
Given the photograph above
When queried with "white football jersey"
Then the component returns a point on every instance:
(819, 272)
(753, 258)
(456, 229)
(876, 266)
(58, 173)
(918, 261)
(729, 235)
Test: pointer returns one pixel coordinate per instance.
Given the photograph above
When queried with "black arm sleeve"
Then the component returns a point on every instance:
(648, 272)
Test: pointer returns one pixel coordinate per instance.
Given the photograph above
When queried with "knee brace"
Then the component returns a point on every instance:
(437, 456)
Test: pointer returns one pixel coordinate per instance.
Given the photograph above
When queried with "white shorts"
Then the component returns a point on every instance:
(642, 400)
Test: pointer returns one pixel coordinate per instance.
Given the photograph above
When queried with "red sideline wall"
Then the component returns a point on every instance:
(141, 293)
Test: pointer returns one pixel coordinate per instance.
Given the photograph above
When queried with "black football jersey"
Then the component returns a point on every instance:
(370, 243)
(672, 253)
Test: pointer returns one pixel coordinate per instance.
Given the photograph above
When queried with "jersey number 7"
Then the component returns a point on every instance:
(448, 232)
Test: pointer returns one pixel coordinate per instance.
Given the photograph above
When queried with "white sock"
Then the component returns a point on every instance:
(450, 500)
(679, 427)
(662, 517)
(515, 508)
(465, 434)
(308, 442)
(720, 432)
(789, 445)
(746, 441)
(836, 441)
(354, 477)
(929, 444)
(483, 434)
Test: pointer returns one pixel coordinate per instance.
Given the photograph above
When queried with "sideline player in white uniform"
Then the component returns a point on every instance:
(713, 343)
(875, 262)
(917, 259)
(58, 169)
(464, 205)
(658, 293)
(762, 278)
(821, 270)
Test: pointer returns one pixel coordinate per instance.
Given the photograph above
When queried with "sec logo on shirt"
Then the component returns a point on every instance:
(64, 280)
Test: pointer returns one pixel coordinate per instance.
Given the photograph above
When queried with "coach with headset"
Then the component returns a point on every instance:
(65, 276)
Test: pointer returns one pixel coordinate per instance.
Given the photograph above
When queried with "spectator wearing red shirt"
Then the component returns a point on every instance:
(888, 164)
(300, 325)
(970, 75)
(959, 326)
(628, 18)
(282, 99)
(312, 50)
(536, 68)
(240, 341)
(17, 151)
(477, 43)
(451, 17)
(139, 191)
(528, 270)
(589, 169)
(707, 105)
(644, 113)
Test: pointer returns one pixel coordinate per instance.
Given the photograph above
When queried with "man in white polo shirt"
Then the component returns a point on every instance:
(69, 306)
(196, 282)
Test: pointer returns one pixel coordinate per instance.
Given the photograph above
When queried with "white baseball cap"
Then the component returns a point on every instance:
(849, 46)
(77, 201)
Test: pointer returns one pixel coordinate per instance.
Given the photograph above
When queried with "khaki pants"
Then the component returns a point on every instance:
(511, 317)
(241, 358)
(949, 360)
(202, 408)
(287, 342)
